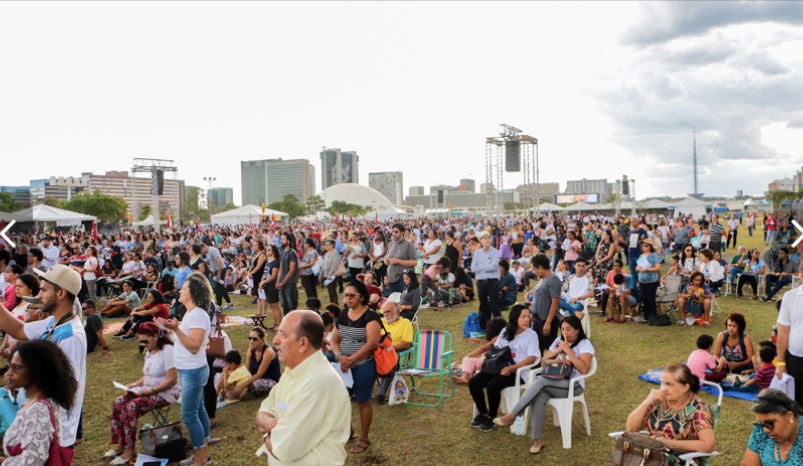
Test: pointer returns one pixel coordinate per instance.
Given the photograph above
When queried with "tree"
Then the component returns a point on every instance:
(315, 204)
(108, 209)
(192, 202)
(146, 210)
(52, 201)
(7, 203)
(343, 208)
(289, 205)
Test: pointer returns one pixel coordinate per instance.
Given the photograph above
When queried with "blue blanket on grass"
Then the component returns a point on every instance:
(654, 376)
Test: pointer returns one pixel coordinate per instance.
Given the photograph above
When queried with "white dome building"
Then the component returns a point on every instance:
(358, 194)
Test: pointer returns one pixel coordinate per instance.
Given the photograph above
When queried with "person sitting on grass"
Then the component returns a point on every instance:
(93, 327)
(763, 375)
(696, 300)
(620, 296)
(232, 377)
(313, 304)
(472, 362)
(153, 308)
(701, 360)
(429, 281)
(123, 304)
(508, 287)
(576, 289)
(733, 347)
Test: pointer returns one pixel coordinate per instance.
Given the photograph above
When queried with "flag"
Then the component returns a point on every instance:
(376, 218)
(337, 222)
(198, 224)
(351, 219)
(273, 221)
(251, 223)
(169, 221)
(94, 230)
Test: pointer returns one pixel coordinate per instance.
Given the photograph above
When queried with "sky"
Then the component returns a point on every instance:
(608, 89)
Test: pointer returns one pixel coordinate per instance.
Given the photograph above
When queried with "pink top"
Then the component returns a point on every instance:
(433, 271)
(10, 297)
(699, 361)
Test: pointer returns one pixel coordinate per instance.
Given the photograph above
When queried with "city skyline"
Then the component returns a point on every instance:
(607, 89)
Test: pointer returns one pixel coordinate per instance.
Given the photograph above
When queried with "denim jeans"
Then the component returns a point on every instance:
(571, 309)
(193, 412)
(775, 283)
(397, 286)
(288, 296)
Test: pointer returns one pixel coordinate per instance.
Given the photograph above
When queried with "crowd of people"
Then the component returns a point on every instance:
(171, 289)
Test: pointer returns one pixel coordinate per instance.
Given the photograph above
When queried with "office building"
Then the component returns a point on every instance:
(416, 191)
(61, 188)
(467, 185)
(487, 188)
(458, 200)
(600, 187)
(21, 195)
(546, 191)
(390, 184)
(220, 197)
(338, 167)
(270, 180)
(137, 192)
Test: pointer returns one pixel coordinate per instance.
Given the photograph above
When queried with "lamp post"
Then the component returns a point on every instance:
(209, 180)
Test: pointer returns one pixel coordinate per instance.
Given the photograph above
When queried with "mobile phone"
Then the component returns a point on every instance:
(32, 299)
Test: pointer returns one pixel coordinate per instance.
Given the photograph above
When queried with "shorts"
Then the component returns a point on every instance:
(694, 308)
(364, 380)
(632, 301)
(271, 293)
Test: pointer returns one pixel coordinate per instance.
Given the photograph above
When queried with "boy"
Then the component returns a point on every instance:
(701, 359)
(620, 295)
(764, 374)
(234, 372)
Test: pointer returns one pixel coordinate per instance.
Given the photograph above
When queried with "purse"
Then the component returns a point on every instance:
(558, 370)
(158, 437)
(497, 359)
(385, 354)
(633, 449)
(57, 455)
(216, 347)
(341, 269)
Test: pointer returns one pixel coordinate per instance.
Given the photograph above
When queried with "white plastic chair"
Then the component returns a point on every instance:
(689, 459)
(585, 322)
(511, 395)
(564, 407)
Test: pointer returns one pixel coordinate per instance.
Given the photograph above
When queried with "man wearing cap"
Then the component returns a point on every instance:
(60, 286)
(485, 265)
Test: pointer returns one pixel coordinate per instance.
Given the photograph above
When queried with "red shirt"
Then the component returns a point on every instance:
(374, 290)
(163, 311)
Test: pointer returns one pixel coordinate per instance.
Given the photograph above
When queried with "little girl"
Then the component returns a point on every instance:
(429, 281)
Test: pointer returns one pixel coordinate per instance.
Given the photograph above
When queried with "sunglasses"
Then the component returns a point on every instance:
(769, 426)
(253, 338)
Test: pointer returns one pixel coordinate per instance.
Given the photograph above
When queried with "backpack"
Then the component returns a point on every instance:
(471, 326)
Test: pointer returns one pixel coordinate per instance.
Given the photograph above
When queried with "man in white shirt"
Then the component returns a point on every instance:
(733, 229)
(790, 338)
(576, 289)
(306, 419)
(60, 286)
(50, 252)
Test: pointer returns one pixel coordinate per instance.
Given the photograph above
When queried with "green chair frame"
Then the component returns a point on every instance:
(430, 358)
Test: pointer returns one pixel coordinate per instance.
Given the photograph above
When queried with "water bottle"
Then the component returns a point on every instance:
(147, 426)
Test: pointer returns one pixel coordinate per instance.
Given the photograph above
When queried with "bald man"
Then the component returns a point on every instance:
(306, 419)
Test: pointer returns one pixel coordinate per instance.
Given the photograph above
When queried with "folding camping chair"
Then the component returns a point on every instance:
(429, 358)
(671, 294)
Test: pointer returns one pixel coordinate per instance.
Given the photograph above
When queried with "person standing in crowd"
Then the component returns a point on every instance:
(485, 265)
(309, 262)
(355, 255)
(546, 301)
(306, 419)
(45, 373)
(636, 235)
(287, 282)
(329, 267)
(35, 258)
(647, 268)
(191, 337)
(217, 272)
(716, 232)
(790, 338)
(401, 255)
(60, 286)
(733, 231)
(379, 247)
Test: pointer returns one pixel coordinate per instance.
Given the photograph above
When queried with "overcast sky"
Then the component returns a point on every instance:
(607, 88)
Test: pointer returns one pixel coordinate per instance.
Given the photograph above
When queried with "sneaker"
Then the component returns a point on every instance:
(639, 320)
(487, 425)
(128, 337)
(764, 299)
(228, 306)
(191, 460)
(119, 335)
(478, 421)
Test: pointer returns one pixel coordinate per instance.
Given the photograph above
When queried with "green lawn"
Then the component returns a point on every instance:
(408, 435)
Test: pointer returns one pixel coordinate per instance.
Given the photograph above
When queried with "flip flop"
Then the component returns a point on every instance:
(361, 446)
(537, 449)
(608, 319)
(620, 321)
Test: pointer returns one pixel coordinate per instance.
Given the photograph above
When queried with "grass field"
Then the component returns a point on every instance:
(413, 435)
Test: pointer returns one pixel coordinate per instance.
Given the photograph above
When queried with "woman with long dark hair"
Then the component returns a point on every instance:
(411, 296)
(523, 343)
(306, 266)
(43, 370)
(572, 348)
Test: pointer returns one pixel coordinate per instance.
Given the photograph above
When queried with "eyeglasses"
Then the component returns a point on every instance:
(769, 426)
(253, 338)
(15, 367)
(142, 342)
(349, 295)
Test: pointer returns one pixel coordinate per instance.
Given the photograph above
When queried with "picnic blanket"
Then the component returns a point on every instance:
(654, 376)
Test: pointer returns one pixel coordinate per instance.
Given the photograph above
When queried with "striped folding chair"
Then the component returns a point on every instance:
(429, 358)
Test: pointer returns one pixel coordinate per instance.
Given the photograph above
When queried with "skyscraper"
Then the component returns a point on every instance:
(272, 179)
(390, 184)
(338, 167)
(221, 196)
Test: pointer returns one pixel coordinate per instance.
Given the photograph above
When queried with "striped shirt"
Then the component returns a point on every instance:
(353, 335)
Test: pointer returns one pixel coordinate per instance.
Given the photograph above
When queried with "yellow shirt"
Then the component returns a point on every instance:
(400, 331)
(240, 374)
(313, 414)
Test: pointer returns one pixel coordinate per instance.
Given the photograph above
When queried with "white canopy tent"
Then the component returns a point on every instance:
(548, 206)
(652, 204)
(245, 215)
(148, 222)
(46, 213)
(7, 217)
(692, 206)
(580, 207)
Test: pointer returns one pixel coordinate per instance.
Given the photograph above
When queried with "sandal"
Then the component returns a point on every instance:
(608, 319)
(360, 447)
(620, 321)
(353, 436)
(681, 323)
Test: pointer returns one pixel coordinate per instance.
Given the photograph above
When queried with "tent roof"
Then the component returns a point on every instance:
(547, 206)
(654, 204)
(7, 217)
(580, 207)
(148, 222)
(242, 214)
(46, 213)
(690, 202)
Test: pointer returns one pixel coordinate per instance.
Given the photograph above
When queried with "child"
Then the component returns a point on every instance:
(233, 373)
(446, 288)
(472, 362)
(764, 374)
(429, 281)
(562, 270)
(518, 273)
(701, 359)
(674, 268)
(621, 296)
(328, 328)
(313, 304)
